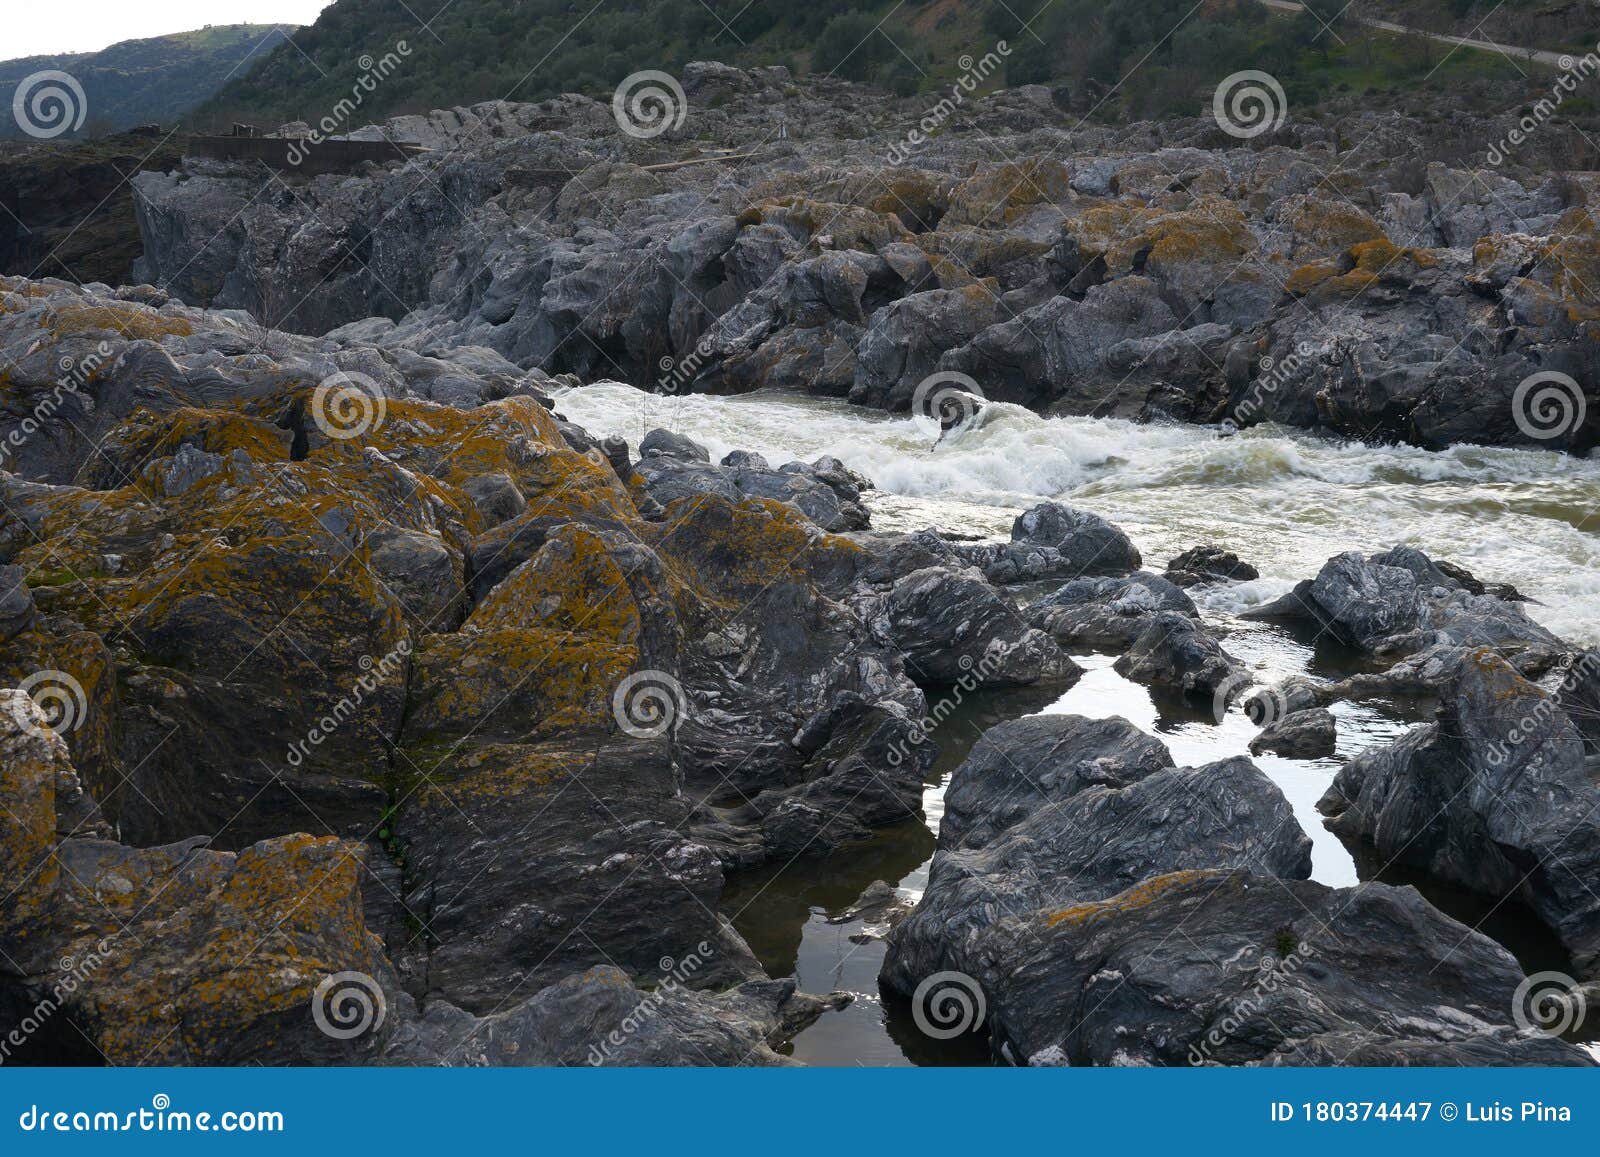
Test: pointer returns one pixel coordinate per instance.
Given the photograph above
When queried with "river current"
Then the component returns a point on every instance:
(1283, 500)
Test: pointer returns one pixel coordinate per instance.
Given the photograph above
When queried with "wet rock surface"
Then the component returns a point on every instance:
(1497, 796)
(1057, 810)
(1265, 971)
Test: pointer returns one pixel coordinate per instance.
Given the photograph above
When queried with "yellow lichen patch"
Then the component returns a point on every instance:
(995, 195)
(978, 252)
(1212, 230)
(147, 435)
(1141, 895)
(1308, 277)
(843, 226)
(492, 771)
(573, 584)
(726, 552)
(1327, 226)
(286, 914)
(135, 322)
(1573, 258)
(515, 682)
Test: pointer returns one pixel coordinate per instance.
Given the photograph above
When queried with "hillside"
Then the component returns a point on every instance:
(1137, 58)
(147, 81)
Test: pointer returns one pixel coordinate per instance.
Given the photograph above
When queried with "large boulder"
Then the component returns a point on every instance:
(951, 625)
(1400, 601)
(1106, 614)
(1231, 968)
(1176, 654)
(1498, 796)
(1058, 810)
(1051, 541)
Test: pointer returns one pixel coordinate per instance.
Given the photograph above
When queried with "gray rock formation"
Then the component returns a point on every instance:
(1054, 811)
(1233, 968)
(1153, 270)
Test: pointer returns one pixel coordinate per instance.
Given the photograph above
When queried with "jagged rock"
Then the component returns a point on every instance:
(951, 625)
(1106, 613)
(1399, 602)
(673, 445)
(1497, 797)
(1305, 734)
(1174, 653)
(600, 1018)
(1057, 810)
(17, 611)
(1206, 564)
(1052, 541)
(1232, 968)
(829, 497)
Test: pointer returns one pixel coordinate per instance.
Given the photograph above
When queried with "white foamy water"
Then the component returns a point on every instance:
(1283, 500)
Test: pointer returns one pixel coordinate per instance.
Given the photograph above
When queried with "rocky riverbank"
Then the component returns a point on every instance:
(357, 705)
(1363, 276)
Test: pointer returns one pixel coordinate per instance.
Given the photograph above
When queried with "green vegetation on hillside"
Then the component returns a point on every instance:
(1127, 58)
(147, 81)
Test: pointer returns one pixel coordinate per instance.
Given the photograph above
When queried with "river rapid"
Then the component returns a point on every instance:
(1283, 500)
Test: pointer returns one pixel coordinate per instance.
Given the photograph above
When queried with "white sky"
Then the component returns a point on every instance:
(41, 27)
